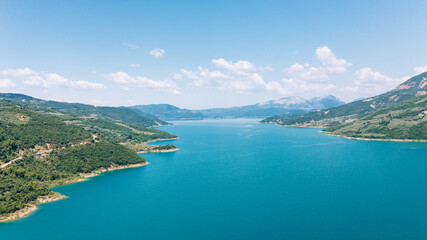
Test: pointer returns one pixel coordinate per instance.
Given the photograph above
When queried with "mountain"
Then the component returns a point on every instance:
(413, 87)
(287, 105)
(167, 112)
(406, 120)
(116, 113)
(42, 148)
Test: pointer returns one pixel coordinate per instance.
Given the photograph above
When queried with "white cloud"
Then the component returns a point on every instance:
(239, 77)
(302, 87)
(304, 79)
(329, 65)
(307, 72)
(33, 78)
(419, 70)
(157, 52)
(134, 65)
(86, 85)
(369, 82)
(6, 83)
(126, 81)
(367, 75)
(330, 62)
(130, 45)
(239, 67)
(20, 72)
(267, 68)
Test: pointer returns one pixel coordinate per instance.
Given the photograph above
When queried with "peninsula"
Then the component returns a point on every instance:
(43, 147)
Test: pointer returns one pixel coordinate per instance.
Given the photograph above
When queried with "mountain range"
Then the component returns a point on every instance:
(274, 107)
(288, 105)
(116, 113)
(396, 114)
(415, 86)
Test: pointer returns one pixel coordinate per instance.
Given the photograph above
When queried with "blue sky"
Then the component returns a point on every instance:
(202, 54)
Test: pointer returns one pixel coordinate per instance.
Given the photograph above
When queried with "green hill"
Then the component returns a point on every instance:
(167, 112)
(413, 87)
(42, 148)
(406, 120)
(116, 113)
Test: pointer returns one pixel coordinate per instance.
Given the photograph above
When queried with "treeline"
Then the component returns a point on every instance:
(123, 132)
(57, 147)
(163, 147)
(23, 129)
(116, 113)
(30, 178)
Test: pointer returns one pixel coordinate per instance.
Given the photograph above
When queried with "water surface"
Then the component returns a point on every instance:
(235, 179)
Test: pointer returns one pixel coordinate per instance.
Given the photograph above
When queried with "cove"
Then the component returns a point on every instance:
(236, 179)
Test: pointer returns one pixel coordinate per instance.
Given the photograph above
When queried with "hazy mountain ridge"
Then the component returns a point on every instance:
(274, 107)
(116, 113)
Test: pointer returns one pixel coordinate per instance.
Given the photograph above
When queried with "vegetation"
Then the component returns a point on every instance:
(406, 120)
(122, 132)
(22, 183)
(280, 118)
(42, 147)
(163, 147)
(17, 189)
(413, 87)
(22, 129)
(116, 113)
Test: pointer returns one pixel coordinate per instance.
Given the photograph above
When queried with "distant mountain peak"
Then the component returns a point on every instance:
(413, 87)
(279, 106)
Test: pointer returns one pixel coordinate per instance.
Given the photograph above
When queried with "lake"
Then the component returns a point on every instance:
(236, 179)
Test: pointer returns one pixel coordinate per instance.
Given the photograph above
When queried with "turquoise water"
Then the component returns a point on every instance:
(235, 179)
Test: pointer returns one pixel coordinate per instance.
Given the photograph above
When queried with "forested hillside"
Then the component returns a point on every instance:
(42, 147)
(115, 113)
(406, 120)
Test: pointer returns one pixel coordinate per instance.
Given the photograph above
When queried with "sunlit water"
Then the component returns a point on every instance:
(236, 179)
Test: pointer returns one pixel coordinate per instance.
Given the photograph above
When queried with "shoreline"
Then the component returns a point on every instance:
(354, 138)
(32, 207)
(55, 196)
(161, 139)
(374, 139)
(298, 126)
(160, 151)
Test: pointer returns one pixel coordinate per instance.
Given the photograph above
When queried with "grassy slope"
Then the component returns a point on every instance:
(406, 120)
(116, 113)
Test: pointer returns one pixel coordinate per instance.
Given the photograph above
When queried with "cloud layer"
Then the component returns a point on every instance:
(6, 83)
(127, 81)
(419, 70)
(239, 77)
(33, 78)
